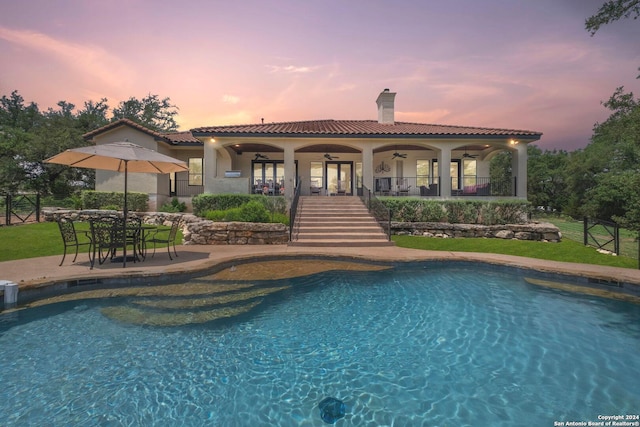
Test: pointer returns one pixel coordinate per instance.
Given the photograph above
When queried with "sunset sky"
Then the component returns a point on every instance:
(523, 64)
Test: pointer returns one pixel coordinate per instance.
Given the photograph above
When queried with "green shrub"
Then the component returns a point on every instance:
(97, 199)
(110, 208)
(280, 218)
(408, 209)
(174, 206)
(212, 202)
(253, 211)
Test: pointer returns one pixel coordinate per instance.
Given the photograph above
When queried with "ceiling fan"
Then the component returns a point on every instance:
(399, 155)
(261, 156)
(330, 157)
(468, 156)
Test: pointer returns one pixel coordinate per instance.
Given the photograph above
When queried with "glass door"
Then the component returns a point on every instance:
(339, 178)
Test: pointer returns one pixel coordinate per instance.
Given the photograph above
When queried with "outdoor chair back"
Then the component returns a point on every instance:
(109, 234)
(72, 238)
(167, 237)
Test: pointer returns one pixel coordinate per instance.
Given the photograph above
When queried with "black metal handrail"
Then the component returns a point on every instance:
(379, 210)
(182, 188)
(294, 208)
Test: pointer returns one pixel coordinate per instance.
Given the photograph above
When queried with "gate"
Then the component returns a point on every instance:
(602, 235)
(20, 208)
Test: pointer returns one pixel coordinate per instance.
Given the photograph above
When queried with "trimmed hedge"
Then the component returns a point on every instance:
(99, 199)
(491, 212)
(221, 202)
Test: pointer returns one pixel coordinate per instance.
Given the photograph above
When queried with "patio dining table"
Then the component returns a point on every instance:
(109, 234)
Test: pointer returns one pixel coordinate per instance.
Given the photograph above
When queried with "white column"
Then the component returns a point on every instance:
(367, 167)
(289, 172)
(444, 167)
(210, 165)
(519, 169)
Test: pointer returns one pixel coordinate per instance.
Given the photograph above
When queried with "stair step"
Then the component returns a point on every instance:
(341, 243)
(343, 229)
(336, 221)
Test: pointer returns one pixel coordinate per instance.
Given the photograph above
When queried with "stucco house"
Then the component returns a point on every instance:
(327, 157)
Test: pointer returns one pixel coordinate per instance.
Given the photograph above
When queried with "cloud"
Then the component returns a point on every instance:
(290, 69)
(90, 62)
(230, 99)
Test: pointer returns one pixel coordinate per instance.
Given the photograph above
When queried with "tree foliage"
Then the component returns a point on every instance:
(611, 11)
(546, 183)
(154, 113)
(28, 136)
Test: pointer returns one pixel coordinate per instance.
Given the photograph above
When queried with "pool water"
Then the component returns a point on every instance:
(422, 345)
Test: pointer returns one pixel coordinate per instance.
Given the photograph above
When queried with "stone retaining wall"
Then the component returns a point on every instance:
(198, 231)
(195, 230)
(531, 231)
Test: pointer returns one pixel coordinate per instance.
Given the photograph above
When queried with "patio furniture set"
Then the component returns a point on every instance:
(107, 235)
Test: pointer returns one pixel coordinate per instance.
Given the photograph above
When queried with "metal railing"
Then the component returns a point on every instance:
(380, 212)
(483, 186)
(181, 188)
(428, 186)
(294, 208)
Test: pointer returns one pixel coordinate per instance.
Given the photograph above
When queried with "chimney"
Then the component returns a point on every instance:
(385, 107)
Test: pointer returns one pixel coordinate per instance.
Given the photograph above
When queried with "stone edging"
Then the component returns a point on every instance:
(531, 231)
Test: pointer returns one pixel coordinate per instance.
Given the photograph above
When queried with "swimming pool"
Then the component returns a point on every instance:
(421, 344)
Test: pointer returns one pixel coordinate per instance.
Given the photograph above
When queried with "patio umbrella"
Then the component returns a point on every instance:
(121, 157)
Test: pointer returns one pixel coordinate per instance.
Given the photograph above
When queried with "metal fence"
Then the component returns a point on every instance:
(20, 208)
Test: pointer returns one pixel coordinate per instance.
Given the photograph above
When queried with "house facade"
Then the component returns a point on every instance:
(329, 157)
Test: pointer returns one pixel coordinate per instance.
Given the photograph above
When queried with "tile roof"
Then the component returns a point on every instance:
(370, 128)
(182, 138)
(174, 138)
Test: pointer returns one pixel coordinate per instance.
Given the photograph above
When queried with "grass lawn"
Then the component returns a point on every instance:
(567, 250)
(36, 240)
(43, 239)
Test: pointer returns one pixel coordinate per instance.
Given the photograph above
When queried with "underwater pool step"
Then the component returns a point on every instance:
(137, 316)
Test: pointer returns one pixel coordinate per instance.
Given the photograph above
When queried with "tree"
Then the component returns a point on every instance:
(28, 136)
(603, 178)
(155, 113)
(611, 11)
(17, 120)
(546, 181)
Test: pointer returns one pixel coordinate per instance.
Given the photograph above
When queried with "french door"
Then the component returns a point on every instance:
(339, 177)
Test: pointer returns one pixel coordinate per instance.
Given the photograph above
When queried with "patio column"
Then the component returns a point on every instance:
(210, 165)
(367, 167)
(519, 168)
(444, 168)
(289, 172)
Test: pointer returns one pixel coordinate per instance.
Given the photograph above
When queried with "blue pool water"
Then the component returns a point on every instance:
(422, 345)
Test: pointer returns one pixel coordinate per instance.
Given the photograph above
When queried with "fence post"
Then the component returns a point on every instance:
(38, 207)
(7, 214)
(616, 237)
(585, 230)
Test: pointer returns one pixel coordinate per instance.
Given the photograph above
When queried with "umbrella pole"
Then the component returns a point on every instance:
(126, 211)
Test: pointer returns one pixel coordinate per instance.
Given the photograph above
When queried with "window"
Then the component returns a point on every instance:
(469, 171)
(316, 174)
(195, 171)
(422, 173)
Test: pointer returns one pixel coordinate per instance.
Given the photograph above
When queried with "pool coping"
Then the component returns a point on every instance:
(38, 277)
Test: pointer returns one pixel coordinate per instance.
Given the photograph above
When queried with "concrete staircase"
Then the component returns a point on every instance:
(323, 221)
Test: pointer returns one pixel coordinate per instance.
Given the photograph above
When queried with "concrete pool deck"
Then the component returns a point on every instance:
(44, 272)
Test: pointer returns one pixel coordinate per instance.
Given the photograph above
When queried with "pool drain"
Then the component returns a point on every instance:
(331, 409)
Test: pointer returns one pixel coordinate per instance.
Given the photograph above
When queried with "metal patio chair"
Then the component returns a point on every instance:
(165, 236)
(71, 239)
